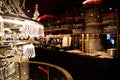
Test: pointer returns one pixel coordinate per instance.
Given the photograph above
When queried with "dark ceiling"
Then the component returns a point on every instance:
(48, 6)
(57, 7)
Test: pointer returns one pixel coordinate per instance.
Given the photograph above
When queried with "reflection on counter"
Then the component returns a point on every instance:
(98, 54)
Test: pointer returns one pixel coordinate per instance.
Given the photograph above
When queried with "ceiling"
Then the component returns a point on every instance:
(48, 6)
(58, 6)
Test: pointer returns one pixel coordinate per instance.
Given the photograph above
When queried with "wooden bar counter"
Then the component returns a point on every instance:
(81, 67)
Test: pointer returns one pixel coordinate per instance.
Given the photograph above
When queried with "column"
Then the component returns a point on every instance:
(93, 27)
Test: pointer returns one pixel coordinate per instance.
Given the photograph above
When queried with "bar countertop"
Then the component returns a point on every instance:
(96, 54)
(81, 67)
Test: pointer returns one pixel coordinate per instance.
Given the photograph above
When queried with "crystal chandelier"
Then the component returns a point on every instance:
(11, 14)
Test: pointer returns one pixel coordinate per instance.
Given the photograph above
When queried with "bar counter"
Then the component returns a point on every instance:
(81, 67)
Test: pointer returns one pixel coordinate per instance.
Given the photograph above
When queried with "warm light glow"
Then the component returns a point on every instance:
(28, 11)
(110, 8)
(8, 29)
(13, 21)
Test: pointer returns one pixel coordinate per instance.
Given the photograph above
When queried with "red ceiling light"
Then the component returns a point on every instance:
(92, 2)
(46, 16)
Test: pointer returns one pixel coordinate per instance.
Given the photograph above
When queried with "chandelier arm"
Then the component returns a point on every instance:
(16, 3)
(7, 6)
(23, 5)
(13, 7)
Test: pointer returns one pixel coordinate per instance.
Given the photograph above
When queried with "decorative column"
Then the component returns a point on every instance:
(93, 28)
(118, 31)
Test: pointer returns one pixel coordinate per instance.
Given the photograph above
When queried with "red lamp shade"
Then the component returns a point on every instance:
(46, 16)
(91, 2)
